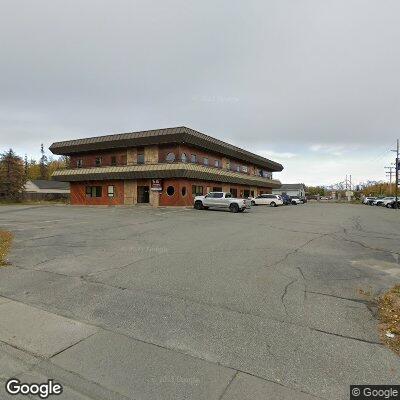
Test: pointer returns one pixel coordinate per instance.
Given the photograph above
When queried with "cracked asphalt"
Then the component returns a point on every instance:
(142, 303)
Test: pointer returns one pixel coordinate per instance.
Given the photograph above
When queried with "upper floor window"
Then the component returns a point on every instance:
(205, 161)
(216, 163)
(113, 160)
(267, 174)
(97, 161)
(238, 168)
(170, 157)
(79, 163)
(193, 158)
(184, 157)
(244, 168)
(140, 156)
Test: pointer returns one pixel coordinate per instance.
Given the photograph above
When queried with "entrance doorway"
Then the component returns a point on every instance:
(143, 194)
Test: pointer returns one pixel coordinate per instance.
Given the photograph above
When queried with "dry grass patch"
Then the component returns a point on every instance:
(5, 244)
(389, 315)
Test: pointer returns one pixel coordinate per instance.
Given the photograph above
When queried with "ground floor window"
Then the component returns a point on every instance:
(197, 190)
(183, 190)
(170, 190)
(93, 191)
(111, 191)
(233, 192)
(252, 193)
(246, 193)
(217, 189)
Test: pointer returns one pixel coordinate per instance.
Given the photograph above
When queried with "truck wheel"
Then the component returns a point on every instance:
(253, 203)
(272, 204)
(198, 205)
(234, 208)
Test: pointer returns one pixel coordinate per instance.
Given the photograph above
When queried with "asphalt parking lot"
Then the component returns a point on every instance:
(142, 303)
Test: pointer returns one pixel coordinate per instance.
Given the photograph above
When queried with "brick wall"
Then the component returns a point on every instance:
(78, 193)
(178, 199)
(89, 158)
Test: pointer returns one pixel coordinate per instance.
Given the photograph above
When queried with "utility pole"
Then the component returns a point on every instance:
(396, 189)
(390, 173)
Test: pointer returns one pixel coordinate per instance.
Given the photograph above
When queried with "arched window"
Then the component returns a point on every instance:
(183, 190)
(170, 157)
(170, 190)
(184, 157)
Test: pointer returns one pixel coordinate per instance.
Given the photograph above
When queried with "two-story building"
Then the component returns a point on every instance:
(163, 167)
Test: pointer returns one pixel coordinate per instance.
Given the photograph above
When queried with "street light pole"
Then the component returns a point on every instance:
(397, 173)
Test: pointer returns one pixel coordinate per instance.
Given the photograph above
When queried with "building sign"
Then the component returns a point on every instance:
(156, 185)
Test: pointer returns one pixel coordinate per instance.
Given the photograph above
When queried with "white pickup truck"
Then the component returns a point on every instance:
(220, 200)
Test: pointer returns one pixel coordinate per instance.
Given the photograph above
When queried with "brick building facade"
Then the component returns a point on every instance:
(164, 167)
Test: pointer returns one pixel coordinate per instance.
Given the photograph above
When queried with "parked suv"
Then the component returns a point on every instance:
(387, 200)
(376, 200)
(272, 200)
(392, 204)
(221, 200)
(367, 200)
(296, 200)
(381, 200)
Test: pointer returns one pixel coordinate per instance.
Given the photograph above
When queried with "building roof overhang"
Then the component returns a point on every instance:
(162, 136)
(163, 171)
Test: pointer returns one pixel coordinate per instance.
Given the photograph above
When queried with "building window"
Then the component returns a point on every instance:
(184, 157)
(170, 157)
(238, 168)
(266, 174)
(197, 190)
(246, 194)
(93, 191)
(205, 161)
(170, 190)
(183, 191)
(97, 161)
(234, 192)
(244, 168)
(252, 193)
(217, 189)
(111, 191)
(79, 163)
(140, 155)
(113, 160)
(216, 163)
(193, 158)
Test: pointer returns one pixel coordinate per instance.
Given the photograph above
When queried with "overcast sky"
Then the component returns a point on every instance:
(312, 84)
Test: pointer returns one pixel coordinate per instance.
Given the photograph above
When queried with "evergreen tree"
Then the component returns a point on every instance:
(12, 175)
(44, 173)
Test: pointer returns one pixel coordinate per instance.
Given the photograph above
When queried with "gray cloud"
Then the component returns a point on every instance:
(280, 75)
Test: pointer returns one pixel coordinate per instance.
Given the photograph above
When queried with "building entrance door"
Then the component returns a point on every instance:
(143, 194)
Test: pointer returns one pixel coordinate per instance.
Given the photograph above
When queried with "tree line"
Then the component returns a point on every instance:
(15, 171)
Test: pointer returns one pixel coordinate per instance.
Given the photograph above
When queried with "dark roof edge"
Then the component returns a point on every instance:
(162, 136)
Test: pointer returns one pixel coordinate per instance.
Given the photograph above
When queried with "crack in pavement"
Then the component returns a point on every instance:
(284, 293)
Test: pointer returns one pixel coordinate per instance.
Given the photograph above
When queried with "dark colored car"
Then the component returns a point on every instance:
(286, 199)
(392, 204)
